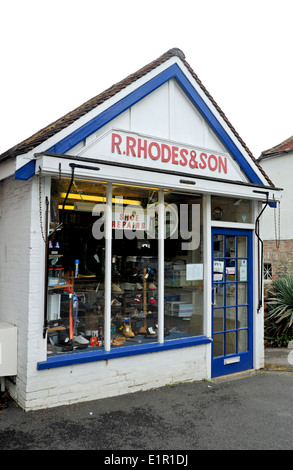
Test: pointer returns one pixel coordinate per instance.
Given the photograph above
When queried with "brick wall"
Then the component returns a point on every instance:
(280, 258)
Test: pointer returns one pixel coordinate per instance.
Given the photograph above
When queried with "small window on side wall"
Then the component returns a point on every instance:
(267, 271)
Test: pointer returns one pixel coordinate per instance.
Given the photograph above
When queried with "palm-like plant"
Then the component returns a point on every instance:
(279, 318)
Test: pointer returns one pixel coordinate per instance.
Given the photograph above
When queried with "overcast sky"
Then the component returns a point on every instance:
(55, 55)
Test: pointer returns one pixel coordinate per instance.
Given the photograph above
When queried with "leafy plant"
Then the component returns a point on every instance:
(278, 320)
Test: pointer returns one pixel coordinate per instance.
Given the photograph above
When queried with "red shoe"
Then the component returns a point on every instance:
(137, 299)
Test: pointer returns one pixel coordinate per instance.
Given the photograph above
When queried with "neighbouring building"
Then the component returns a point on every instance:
(277, 226)
(130, 244)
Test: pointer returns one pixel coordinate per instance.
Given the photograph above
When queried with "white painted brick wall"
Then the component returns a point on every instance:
(84, 382)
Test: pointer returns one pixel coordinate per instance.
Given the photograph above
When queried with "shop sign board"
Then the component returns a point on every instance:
(159, 154)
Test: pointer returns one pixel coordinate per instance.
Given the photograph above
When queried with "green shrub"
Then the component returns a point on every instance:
(278, 320)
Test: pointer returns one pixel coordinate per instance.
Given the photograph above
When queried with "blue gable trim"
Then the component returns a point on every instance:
(26, 171)
(113, 111)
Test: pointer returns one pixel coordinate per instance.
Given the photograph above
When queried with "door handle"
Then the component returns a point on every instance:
(214, 295)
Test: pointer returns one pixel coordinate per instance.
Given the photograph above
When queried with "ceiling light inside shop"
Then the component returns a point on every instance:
(90, 197)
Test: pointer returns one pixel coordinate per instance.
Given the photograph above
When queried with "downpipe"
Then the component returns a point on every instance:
(260, 252)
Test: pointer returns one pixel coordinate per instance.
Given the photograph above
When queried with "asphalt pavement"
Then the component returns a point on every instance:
(247, 411)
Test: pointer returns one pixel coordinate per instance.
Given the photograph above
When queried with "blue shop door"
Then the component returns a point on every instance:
(232, 301)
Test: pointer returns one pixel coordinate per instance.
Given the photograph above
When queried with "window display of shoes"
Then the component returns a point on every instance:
(116, 288)
(152, 286)
(137, 299)
(142, 331)
(118, 341)
(80, 339)
(151, 333)
(127, 331)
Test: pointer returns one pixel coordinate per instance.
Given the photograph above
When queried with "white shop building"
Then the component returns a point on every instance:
(129, 244)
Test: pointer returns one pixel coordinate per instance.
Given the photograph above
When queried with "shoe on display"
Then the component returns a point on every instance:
(127, 286)
(153, 301)
(151, 333)
(139, 286)
(116, 288)
(142, 331)
(117, 341)
(80, 339)
(152, 286)
(127, 331)
(115, 303)
(63, 339)
(137, 299)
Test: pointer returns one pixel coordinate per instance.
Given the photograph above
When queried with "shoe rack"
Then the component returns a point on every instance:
(144, 306)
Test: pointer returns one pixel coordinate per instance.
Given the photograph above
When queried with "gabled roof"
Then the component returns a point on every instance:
(284, 147)
(65, 121)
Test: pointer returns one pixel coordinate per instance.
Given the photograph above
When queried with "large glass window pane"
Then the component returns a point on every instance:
(231, 209)
(183, 265)
(134, 310)
(76, 273)
(76, 264)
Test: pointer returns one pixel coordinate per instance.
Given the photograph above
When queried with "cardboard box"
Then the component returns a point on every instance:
(179, 309)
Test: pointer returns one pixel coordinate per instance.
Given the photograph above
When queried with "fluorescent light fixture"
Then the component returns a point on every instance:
(66, 207)
(90, 197)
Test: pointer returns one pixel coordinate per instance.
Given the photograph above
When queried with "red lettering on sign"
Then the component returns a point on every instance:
(222, 164)
(166, 158)
(157, 153)
(183, 153)
(174, 155)
(192, 162)
(212, 166)
(116, 141)
(203, 164)
(130, 144)
(141, 148)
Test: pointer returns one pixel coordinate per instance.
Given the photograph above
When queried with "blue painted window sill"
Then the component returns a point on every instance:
(101, 355)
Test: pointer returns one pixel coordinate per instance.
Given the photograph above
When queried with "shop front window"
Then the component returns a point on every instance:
(134, 287)
(183, 266)
(229, 209)
(76, 308)
(76, 268)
